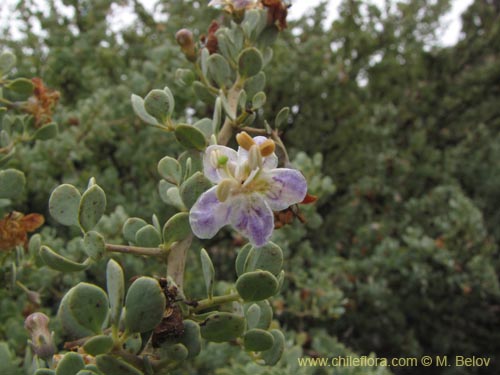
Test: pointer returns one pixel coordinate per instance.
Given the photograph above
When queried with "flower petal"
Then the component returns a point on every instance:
(268, 162)
(212, 153)
(208, 214)
(286, 187)
(251, 216)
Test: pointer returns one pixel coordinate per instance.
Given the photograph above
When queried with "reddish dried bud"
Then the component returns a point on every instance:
(185, 39)
(276, 13)
(210, 41)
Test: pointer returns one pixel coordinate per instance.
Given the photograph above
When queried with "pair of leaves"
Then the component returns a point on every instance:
(69, 207)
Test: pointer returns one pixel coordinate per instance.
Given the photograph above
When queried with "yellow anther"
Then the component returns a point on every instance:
(244, 140)
(267, 147)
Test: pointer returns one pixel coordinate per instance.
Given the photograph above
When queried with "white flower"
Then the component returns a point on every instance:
(249, 187)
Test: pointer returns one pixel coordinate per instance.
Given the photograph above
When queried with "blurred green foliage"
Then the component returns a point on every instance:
(399, 257)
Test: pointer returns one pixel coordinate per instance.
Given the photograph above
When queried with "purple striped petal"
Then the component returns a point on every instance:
(210, 169)
(208, 214)
(269, 162)
(286, 187)
(252, 217)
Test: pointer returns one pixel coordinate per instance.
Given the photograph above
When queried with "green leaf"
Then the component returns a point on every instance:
(64, 204)
(70, 364)
(42, 371)
(94, 245)
(219, 70)
(101, 344)
(170, 169)
(258, 340)
(253, 316)
(87, 372)
(205, 126)
(281, 120)
(256, 285)
(133, 344)
(265, 315)
(222, 326)
(281, 280)
(258, 100)
(268, 55)
(174, 352)
(7, 62)
(190, 137)
(268, 37)
(268, 257)
(22, 86)
(193, 187)
(184, 77)
(250, 22)
(250, 62)
(273, 355)
(60, 263)
(156, 222)
(204, 55)
(225, 45)
(191, 338)
(8, 361)
(148, 236)
(241, 259)
(5, 158)
(158, 104)
(115, 285)
(145, 304)
(12, 183)
(4, 138)
(110, 365)
(176, 228)
(208, 272)
(92, 207)
(47, 131)
(170, 195)
(131, 226)
(86, 305)
(203, 93)
(34, 244)
(140, 110)
(255, 84)
(217, 119)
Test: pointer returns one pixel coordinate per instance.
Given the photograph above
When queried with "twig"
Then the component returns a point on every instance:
(148, 251)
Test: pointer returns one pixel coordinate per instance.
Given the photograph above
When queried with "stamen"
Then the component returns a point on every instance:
(254, 158)
(224, 189)
(244, 140)
(214, 158)
(267, 147)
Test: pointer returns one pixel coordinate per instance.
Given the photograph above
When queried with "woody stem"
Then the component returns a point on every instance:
(176, 261)
(227, 129)
(148, 251)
